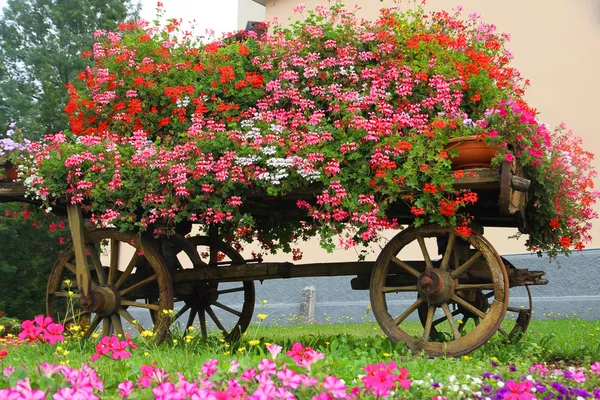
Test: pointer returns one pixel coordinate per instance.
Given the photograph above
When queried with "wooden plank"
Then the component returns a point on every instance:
(76, 226)
(12, 189)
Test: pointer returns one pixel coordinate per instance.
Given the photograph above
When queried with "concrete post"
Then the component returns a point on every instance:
(308, 305)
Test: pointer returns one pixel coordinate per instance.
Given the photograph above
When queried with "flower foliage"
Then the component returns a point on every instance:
(171, 127)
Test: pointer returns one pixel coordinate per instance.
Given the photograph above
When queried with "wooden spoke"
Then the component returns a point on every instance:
(202, 318)
(129, 303)
(229, 309)
(394, 289)
(93, 325)
(470, 307)
(474, 286)
(138, 285)
(116, 322)
(132, 263)
(442, 319)
(114, 261)
(71, 268)
(190, 320)
(106, 326)
(66, 294)
(423, 247)
(428, 322)
(406, 267)
(97, 264)
(125, 314)
(409, 311)
(448, 252)
(463, 268)
(181, 312)
(455, 331)
(213, 316)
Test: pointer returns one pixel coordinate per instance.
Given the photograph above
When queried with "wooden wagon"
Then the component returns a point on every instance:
(458, 290)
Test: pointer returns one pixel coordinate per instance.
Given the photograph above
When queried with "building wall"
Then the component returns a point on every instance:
(556, 44)
(248, 10)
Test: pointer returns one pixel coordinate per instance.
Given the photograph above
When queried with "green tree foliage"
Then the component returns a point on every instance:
(40, 52)
(28, 249)
(41, 42)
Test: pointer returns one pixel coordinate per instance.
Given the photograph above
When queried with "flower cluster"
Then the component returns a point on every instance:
(42, 329)
(356, 113)
(276, 379)
(112, 347)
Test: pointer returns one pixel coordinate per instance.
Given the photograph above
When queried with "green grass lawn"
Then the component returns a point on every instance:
(347, 348)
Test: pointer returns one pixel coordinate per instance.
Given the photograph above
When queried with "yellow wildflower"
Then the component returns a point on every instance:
(262, 316)
(241, 349)
(254, 342)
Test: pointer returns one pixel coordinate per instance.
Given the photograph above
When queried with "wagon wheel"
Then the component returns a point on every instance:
(130, 271)
(203, 301)
(443, 289)
(514, 326)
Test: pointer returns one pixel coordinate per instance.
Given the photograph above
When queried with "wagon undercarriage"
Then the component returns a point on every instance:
(448, 300)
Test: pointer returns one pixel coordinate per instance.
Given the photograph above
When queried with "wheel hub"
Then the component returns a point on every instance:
(104, 300)
(436, 286)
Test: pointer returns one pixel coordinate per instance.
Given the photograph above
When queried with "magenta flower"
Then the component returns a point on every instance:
(166, 391)
(267, 366)
(322, 396)
(335, 386)
(289, 378)
(54, 334)
(125, 388)
(519, 390)
(595, 367)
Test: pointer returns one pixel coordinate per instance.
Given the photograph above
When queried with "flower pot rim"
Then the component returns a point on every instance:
(471, 138)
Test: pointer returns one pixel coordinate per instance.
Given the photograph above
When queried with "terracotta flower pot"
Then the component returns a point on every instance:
(10, 172)
(473, 152)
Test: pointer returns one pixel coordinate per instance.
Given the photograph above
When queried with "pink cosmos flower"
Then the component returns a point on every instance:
(267, 366)
(595, 367)
(125, 388)
(335, 386)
